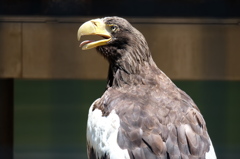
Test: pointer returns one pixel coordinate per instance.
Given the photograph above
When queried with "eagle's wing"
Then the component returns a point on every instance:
(174, 128)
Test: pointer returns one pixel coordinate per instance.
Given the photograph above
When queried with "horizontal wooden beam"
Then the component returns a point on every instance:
(133, 20)
(185, 49)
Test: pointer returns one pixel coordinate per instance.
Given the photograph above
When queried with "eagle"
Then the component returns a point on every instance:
(142, 114)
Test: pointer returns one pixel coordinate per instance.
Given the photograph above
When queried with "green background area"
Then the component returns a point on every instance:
(50, 116)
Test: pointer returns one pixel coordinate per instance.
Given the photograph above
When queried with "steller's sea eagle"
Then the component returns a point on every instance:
(142, 114)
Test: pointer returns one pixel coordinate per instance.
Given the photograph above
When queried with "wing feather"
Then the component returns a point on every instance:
(171, 133)
(167, 126)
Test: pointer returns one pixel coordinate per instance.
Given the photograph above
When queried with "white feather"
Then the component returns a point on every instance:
(211, 153)
(102, 134)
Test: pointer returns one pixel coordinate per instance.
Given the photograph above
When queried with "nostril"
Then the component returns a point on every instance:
(95, 23)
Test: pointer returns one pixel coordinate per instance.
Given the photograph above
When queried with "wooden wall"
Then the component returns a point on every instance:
(185, 49)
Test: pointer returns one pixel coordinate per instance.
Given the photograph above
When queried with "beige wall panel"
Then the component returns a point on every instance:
(51, 50)
(201, 52)
(10, 50)
(183, 51)
(233, 53)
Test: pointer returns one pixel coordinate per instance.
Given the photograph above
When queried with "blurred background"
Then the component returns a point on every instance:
(47, 83)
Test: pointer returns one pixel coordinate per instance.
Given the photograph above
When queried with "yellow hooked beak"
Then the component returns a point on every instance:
(94, 27)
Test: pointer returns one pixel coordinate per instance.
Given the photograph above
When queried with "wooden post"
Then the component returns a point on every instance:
(6, 118)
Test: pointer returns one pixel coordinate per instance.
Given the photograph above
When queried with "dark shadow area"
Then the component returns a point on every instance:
(160, 8)
(6, 118)
(51, 115)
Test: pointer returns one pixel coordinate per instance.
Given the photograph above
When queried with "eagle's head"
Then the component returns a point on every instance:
(121, 41)
(125, 48)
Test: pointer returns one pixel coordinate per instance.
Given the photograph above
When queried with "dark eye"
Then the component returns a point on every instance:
(114, 27)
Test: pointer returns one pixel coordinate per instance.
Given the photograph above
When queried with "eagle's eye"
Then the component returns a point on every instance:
(114, 27)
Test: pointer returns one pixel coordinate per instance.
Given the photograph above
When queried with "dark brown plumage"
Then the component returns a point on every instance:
(157, 119)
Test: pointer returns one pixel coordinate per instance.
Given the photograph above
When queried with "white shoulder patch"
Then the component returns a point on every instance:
(102, 134)
(211, 153)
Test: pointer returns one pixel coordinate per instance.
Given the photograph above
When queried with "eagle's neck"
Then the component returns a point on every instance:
(125, 74)
(130, 61)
